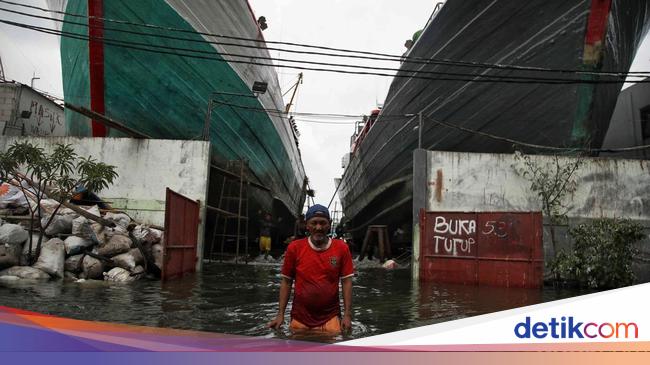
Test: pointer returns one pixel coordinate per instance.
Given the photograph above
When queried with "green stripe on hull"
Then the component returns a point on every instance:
(166, 96)
(75, 70)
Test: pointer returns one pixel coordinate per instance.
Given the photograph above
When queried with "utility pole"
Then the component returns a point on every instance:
(2, 70)
(34, 78)
(420, 126)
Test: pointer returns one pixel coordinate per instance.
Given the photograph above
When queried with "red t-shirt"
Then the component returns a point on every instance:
(316, 275)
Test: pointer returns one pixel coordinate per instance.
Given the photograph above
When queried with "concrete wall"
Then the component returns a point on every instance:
(473, 182)
(489, 182)
(146, 168)
(625, 129)
(46, 117)
(8, 103)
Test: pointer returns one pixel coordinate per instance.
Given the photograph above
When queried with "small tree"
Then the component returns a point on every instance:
(56, 175)
(552, 182)
(602, 254)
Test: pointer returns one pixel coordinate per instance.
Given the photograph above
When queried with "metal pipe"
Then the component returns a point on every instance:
(230, 174)
(101, 118)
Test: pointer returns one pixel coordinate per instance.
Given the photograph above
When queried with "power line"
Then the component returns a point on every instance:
(282, 114)
(323, 122)
(482, 77)
(157, 49)
(397, 117)
(537, 146)
(388, 118)
(386, 57)
(513, 142)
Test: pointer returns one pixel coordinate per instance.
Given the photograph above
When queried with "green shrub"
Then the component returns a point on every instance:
(602, 254)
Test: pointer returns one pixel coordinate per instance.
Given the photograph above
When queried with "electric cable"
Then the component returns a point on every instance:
(461, 76)
(387, 57)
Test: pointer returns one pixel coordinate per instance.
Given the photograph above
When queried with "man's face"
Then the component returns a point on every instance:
(318, 227)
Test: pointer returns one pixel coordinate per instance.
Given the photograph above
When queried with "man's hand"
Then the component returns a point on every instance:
(277, 322)
(346, 323)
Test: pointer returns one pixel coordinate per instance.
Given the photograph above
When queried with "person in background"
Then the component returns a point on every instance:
(82, 196)
(265, 235)
(299, 230)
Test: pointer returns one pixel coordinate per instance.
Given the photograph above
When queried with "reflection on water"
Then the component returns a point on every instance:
(242, 299)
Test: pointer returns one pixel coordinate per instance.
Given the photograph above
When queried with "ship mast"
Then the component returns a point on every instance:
(2, 70)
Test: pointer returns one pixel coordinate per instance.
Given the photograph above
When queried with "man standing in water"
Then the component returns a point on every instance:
(316, 264)
(265, 235)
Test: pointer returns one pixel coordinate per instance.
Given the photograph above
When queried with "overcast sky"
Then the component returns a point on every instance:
(371, 25)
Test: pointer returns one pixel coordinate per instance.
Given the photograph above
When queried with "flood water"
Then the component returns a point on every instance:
(241, 299)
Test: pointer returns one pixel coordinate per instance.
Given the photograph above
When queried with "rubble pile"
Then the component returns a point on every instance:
(75, 247)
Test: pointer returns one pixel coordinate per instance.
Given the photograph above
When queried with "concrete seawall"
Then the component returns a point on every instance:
(481, 182)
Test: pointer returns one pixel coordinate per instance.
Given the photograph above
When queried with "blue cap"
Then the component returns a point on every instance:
(317, 210)
(78, 189)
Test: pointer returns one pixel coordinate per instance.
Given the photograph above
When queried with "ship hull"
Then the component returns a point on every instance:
(550, 34)
(157, 92)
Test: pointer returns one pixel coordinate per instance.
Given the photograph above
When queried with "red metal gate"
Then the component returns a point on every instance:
(501, 249)
(181, 235)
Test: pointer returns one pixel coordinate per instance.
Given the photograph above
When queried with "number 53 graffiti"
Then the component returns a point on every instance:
(499, 229)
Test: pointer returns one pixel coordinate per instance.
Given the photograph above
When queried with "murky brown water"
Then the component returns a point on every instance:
(242, 299)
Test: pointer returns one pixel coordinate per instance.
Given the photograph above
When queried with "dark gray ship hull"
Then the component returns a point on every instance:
(376, 187)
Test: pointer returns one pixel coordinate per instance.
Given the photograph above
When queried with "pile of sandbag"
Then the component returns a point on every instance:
(75, 247)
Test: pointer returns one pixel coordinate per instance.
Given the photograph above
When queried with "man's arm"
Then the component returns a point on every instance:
(285, 292)
(346, 324)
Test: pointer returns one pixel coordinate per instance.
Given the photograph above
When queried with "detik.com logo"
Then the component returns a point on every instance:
(568, 327)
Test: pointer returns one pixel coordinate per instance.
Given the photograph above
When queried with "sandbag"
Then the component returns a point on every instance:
(94, 210)
(118, 274)
(48, 206)
(137, 255)
(26, 272)
(157, 252)
(24, 259)
(128, 260)
(146, 247)
(74, 263)
(9, 255)
(92, 268)
(138, 271)
(147, 235)
(81, 228)
(118, 230)
(52, 258)
(104, 234)
(75, 245)
(11, 196)
(61, 224)
(116, 245)
(119, 219)
(13, 234)
(98, 230)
